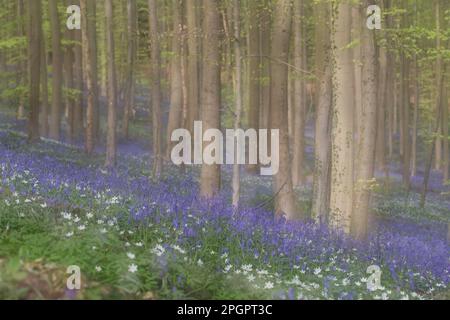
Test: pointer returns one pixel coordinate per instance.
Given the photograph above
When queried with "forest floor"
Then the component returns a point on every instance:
(133, 237)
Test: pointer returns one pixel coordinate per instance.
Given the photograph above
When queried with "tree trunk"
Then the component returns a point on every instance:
(155, 87)
(44, 88)
(321, 190)
(238, 107)
(405, 137)
(112, 90)
(131, 57)
(299, 94)
(69, 82)
(265, 31)
(193, 45)
(390, 84)
(429, 162)
(89, 65)
(34, 56)
(381, 86)
(55, 116)
(210, 105)
(357, 61)
(176, 90)
(445, 149)
(390, 104)
(282, 185)
(92, 38)
(78, 84)
(254, 70)
(438, 140)
(341, 196)
(367, 141)
(22, 65)
(415, 119)
(395, 120)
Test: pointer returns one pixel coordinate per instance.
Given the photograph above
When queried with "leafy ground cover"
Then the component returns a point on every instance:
(137, 238)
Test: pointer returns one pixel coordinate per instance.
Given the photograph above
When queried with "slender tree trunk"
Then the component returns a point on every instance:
(210, 106)
(92, 38)
(254, 69)
(321, 189)
(155, 87)
(429, 162)
(438, 140)
(44, 88)
(192, 64)
(291, 98)
(89, 62)
(381, 116)
(238, 107)
(34, 56)
(176, 90)
(341, 196)
(397, 102)
(445, 149)
(184, 76)
(367, 142)
(404, 106)
(405, 137)
(401, 103)
(131, 57)
(357, 61)
(55, 116)
(265, 31)
(284, 200)
(390, 104)
(389, 92)
(112, 90)
(78, 84)
(22, 65)
(228, 71)
(415, 119)
(439, 109)
(299, 94)
(69, 82)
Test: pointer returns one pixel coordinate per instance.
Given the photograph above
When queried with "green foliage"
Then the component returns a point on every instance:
(13, 43)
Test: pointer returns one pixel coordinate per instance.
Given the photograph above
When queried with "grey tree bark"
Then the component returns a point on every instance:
(57, 60)
(300, 98)
(131, 58)
(111, 144)
(282, 184)
(34, 56)
(368, 132)
(155, 87)
(176, 89)
(210, 100)
(238, 106)
(193, 55)
(90, 70)
(322, 142)
(254, 70)
(341, 195)
(43, 112)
